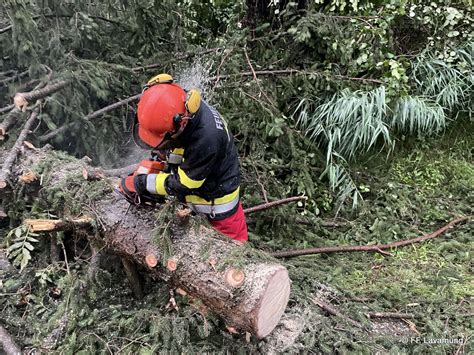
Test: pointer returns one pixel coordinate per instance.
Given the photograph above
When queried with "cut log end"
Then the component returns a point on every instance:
(3, 184)
(273, 303)
(28, 178)
(234, 277)
(20, 102)
(151, 260)
(172, 264)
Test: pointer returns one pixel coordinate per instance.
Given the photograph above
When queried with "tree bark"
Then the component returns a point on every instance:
(9, 121)
(247, 288)
(8, 344)
(15, 151)
(22, 99)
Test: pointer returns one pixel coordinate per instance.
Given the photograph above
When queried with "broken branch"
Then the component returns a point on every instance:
(90, 116)
(268, 205)
(22, 99)
(15, 151)
(390, 315)
(373, 248)
(56, 225)
(6, 108)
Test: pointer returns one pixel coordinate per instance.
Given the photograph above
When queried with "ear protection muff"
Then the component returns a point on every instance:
(193, 101)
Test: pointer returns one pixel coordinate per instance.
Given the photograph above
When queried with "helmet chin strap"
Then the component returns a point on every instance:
(181, 124)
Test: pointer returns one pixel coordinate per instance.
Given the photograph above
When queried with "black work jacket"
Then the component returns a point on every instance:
(209, 154)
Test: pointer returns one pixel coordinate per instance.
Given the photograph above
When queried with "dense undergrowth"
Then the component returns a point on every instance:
(416, 192)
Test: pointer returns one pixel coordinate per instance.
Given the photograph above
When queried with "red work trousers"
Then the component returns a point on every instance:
(233, 226)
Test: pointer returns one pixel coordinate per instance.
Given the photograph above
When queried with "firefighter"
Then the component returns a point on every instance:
(202, 155)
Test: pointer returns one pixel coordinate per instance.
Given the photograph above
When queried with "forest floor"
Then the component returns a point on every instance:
(56, 307)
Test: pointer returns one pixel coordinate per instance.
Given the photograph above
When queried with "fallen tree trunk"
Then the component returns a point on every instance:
(247, 288)
(8, 344)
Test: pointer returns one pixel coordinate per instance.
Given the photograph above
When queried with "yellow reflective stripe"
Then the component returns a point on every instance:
(217, 201)
(187, 181)
(160, 184)
(179, 151)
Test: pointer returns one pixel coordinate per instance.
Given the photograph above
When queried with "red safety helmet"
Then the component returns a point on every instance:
(163, 110)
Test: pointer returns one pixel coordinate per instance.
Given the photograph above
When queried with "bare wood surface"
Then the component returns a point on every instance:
(15, 151)
(22, 99)
(266, 206)
(379, 248)
(56, 225)
(9, 345)
(91, 116)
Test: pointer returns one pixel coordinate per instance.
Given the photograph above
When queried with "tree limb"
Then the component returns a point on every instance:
(56, 225)
(390, 315)
(6, 108)
(90, 116)
(179, 56)
(5, 29)
(296, 72)
(14, 77)
(9, 120)
(268, 205)
(379, 248)
(8, 344)
(15, 151)
(22, 99)
(99, 173)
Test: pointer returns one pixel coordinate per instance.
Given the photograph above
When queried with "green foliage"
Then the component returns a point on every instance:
(19, 245)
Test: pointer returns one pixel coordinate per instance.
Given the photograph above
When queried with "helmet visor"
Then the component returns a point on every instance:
(150, 139)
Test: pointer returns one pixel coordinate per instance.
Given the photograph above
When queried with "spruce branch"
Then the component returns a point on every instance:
(90, 116)
(379, 248)
(284, 72)
(22, 99)
(13, 77)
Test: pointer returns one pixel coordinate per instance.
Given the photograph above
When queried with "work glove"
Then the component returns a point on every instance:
(133, 188)
(127, 189)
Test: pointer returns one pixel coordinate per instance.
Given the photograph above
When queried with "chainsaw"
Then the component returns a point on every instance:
(154, 165)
